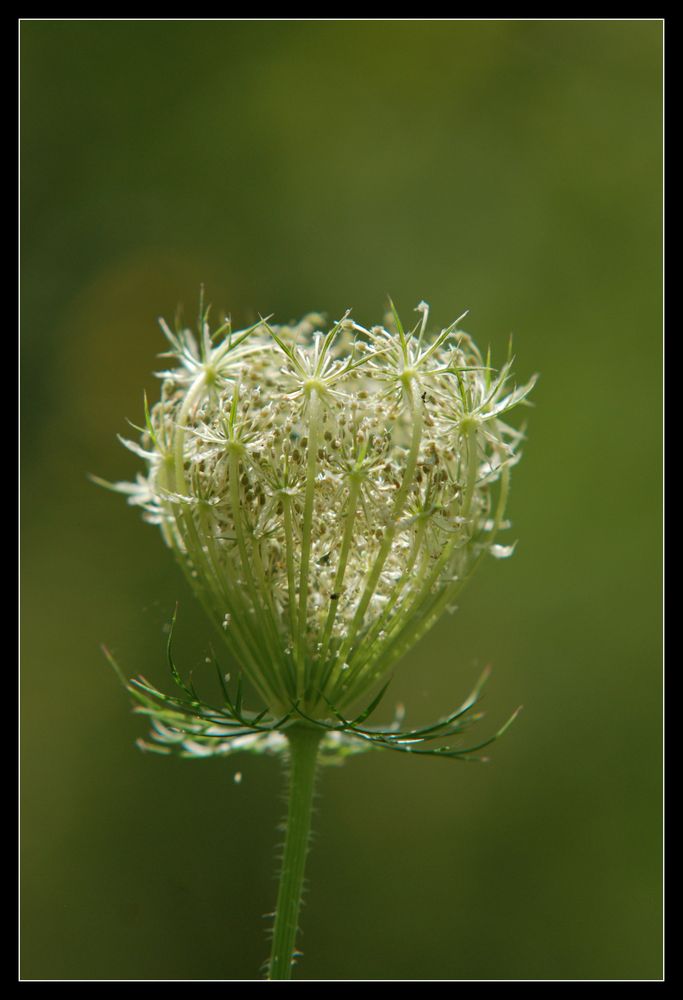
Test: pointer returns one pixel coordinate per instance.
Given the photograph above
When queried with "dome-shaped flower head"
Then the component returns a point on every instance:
(328, 491)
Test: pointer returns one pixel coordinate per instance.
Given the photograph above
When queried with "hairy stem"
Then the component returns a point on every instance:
(303, 757)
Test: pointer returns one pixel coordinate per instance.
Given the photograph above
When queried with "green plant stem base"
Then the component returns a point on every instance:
(303, 759)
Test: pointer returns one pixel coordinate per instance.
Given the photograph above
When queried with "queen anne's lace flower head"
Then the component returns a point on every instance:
(327, 492)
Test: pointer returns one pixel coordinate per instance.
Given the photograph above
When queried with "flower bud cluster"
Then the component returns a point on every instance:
(327, 492)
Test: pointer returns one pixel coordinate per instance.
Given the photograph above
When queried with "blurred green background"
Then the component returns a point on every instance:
(509, 168)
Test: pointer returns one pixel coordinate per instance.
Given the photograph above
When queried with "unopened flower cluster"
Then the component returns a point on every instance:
(328, 491)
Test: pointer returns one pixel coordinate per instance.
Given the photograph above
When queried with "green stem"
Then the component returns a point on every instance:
(303, 758)
(306, 539)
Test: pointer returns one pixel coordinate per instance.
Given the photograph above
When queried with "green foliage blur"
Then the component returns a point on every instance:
(512, 168)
